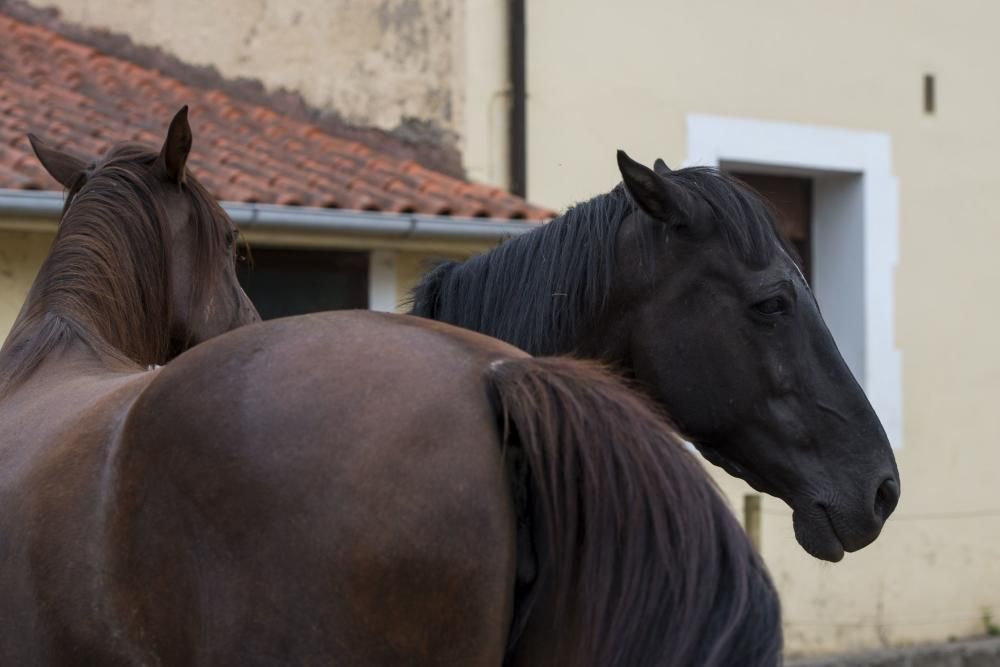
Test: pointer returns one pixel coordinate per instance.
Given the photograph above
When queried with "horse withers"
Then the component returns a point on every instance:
(335, 488)
(680, 280)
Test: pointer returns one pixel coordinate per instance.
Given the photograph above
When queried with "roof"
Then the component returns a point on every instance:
(83, 100)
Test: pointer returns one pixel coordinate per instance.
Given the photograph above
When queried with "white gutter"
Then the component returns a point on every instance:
(47, 205)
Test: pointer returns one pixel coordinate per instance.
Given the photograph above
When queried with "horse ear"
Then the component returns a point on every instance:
(62, 166)
(660, 167)
(655, 195)
(176, 148)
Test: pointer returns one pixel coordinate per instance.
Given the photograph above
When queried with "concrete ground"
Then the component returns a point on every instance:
(967, 653)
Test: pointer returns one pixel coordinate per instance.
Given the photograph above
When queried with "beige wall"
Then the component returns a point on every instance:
(376, 62)
(21, 255)
(410, 268)
(485, 81)
(605, 75)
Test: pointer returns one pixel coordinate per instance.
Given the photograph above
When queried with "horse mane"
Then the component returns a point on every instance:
(540, 290)
(640, 556)
(106, 280)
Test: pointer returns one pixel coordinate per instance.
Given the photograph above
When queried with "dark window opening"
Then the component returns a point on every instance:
(283, 282)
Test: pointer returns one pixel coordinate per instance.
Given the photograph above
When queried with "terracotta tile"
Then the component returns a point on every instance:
(329, 200)
(84, 100)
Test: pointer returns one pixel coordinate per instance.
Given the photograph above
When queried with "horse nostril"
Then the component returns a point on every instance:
(886, 498)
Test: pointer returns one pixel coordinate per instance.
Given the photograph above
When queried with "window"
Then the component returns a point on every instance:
(283, 282)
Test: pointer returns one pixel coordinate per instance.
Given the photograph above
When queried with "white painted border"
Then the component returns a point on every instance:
(382, 281)
(855, 168)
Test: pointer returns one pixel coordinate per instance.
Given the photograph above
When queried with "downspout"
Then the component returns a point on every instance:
(518, 140)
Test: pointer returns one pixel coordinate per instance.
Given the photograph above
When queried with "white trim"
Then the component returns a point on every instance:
(856, 233)
(382, 281)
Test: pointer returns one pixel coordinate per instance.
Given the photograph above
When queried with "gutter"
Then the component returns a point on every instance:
(40, 207)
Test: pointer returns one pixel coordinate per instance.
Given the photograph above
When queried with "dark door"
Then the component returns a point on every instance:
(790, 198)
(283, 282)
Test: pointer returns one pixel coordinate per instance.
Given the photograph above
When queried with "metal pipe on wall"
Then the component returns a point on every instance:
(518, 140)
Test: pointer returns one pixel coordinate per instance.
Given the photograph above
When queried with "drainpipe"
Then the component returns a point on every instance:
(518, 141)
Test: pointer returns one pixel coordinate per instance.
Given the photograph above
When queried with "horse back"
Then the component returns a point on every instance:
(316, 488)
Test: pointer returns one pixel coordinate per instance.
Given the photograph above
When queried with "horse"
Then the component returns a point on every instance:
(679, 280)
(141, 268)
(344, 488)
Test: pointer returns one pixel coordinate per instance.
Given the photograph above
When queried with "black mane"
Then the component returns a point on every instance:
(540, 290)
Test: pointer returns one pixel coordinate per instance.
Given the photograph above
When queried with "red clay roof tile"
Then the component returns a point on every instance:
(78, 98)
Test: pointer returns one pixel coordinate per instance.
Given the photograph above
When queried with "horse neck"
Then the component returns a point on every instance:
(539, 292)
(78, 309)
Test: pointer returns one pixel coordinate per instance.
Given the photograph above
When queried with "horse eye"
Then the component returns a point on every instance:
(772, 306)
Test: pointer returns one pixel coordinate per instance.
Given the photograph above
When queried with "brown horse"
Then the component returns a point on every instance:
(328, 489)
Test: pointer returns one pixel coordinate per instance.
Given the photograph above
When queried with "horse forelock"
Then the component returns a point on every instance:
(106, 280)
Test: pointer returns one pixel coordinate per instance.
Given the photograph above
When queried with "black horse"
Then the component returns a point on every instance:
(680, 279)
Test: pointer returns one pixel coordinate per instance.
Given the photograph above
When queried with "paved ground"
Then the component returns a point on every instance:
(971, 653)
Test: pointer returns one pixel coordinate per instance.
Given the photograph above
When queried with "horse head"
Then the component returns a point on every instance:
(143, 264)
(724, 331)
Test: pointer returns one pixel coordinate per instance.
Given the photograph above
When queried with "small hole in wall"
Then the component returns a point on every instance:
(929, 98)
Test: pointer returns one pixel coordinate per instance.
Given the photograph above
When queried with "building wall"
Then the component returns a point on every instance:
(383, 63)
(485, 80)
(21, 255)
(603, 76)
(411, 267)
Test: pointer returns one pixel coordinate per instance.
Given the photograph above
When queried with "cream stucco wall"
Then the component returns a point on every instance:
(604, 75)
(21, 255)
(376, 62)
(411, 266)
(485, 81)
